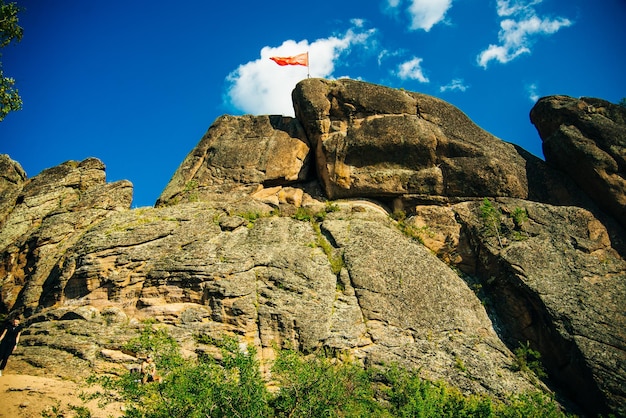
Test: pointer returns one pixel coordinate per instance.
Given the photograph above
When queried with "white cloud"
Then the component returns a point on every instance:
(427, 13)
(262, 87)
(412, 70)
(424, 13)
(511, 7)
(532, 89)
(456, 84)
(384, 54)
(517, 34)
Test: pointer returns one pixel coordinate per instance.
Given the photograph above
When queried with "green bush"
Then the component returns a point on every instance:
(315, 385)
(520, 217)
(335, 258)
(409, 395)
(492, 217)
(528, 360)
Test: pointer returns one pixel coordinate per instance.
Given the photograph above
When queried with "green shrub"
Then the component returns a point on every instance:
(193, 389)
(492, 218)
(250, 217)
(302, 214)
(306, 214)
(398, 215)
(520, 217)
(528, 360)
(335, 258)
(409, 395)
(191, 185)
(316, 385)
(331, 207)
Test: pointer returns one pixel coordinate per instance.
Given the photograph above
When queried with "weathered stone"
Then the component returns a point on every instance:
(239, 153)
(374, 141)
(228, 251)
(557, 283)
(267, 283)
(586, 138)
(12, 178)
(50, 213)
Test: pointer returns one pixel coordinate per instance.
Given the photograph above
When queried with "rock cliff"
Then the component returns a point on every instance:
(379, 223)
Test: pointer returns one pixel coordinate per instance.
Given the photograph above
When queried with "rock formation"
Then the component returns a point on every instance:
(586, 139)
(360, 226)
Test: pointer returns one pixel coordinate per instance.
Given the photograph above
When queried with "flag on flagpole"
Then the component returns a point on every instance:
(300, 59)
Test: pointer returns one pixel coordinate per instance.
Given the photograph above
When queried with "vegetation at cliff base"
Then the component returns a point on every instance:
(315, 385)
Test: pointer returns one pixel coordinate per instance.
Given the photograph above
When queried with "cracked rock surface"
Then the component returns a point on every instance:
(357, 228)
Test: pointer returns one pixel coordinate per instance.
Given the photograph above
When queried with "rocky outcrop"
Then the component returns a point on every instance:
(586, 138)
(244, 240)
(240, 155)
(377, 142)
(12, 177)
(555, 281)
(50, 212)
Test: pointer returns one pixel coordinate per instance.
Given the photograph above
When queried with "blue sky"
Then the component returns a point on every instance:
(136, 83)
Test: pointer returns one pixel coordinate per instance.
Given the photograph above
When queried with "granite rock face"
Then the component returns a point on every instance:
(50, 212)
(360, 226)
(586, 138)
(239, 155)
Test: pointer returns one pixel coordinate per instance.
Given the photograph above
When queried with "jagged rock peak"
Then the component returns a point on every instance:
(586, 138)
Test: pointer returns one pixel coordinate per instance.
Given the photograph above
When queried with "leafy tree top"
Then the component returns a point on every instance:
(10, 30)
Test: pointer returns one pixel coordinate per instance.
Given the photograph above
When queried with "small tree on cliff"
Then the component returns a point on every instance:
(10, 99)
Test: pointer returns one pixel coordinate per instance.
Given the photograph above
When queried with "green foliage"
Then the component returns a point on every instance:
(10, 30)
(307, 386)
(192, 389)
(306, 214)
(411, 396)
(622, 102)
(314, 386)
(492, 217)
(331, 207)
(191, 185)
(56, 411)
(335, 258)
(520, 217)
(205, 388)
(530, 405)
(302, 214)
(251, 217)
(528, 360)
(398, 215)
(406, 228)
(159, 343)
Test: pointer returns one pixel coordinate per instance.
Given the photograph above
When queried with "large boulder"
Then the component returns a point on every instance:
(586, 138)
(375, 141)
(239, 155)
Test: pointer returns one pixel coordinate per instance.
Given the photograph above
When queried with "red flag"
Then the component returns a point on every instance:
(300, 59)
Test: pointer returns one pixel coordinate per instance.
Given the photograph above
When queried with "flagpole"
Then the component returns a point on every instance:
(308, 73)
